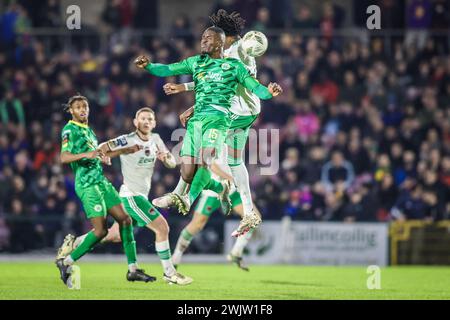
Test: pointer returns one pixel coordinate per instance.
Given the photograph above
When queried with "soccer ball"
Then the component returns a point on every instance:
(254, 43)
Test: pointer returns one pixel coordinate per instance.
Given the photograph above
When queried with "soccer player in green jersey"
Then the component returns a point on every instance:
(244, 110)
(137, 171)
(216, 79)
(80, 150)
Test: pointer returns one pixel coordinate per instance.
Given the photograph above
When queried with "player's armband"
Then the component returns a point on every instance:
(65, 141)
(190, 86)
(117, 143)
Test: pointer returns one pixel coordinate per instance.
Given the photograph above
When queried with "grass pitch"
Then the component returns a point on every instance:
(39, 280)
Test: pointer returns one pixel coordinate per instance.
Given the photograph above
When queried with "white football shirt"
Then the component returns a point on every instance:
(137, 168)
(244, 103)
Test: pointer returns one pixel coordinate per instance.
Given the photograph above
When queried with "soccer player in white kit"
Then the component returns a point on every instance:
(245, 108)
(137, 170)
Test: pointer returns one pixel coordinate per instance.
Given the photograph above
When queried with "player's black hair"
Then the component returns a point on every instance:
(231, 23)
(72, 99)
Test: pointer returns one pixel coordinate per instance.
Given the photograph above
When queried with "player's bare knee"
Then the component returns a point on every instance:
(100, 232)
(126, 221)
(187, 176)
(187, 173)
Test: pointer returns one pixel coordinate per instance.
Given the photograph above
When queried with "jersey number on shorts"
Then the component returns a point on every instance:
(213, 134)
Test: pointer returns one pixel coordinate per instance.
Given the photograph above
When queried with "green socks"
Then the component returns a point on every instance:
(201, 179)
(215, 186)
(128, 243)
(87, 245)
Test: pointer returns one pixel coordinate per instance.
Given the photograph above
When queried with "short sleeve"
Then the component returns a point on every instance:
(160, 144)
(118, 143)
(66, 140)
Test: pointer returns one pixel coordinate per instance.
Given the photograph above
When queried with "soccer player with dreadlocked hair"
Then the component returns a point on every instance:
(245, 108)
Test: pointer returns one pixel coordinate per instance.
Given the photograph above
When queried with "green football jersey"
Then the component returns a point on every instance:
(215, 80)
(78, 138)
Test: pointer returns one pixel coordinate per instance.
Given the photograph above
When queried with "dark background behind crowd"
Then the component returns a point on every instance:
(364, 119)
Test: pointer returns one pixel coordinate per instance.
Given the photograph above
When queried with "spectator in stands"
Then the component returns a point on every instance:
(304, 19)
(410, 205)
(11, 110)
(418, 15)
(385, 108)
(22, 232)
(262, 20)
(386, 195)
(336, 171)
(355, 209)
(181, 29)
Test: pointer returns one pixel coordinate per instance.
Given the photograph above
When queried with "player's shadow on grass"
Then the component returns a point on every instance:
(292, 283)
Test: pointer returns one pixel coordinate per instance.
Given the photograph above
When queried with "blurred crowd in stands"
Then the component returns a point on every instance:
(364, 130)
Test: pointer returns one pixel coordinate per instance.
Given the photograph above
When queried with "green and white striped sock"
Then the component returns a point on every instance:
(163, 250)
(182, 244)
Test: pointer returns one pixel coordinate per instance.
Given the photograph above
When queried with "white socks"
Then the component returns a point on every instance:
(68, 261)
(184, 240)
(242, 182)
(182, 187)
(241, 243)
(132, 267)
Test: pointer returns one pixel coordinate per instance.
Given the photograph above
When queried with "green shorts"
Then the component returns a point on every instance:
(205, 131)
(98, 199)
(207, 204)
(141, 211)
(237, 135)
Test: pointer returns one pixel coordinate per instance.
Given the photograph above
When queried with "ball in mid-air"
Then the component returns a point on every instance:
(254, 43)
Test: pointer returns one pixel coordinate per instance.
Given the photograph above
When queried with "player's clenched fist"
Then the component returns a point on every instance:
(141, 62)
(172, 88)
(275, 89)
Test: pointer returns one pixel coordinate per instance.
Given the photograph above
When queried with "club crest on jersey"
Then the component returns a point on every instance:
(147, 151)
(98, 207)
(225, 66)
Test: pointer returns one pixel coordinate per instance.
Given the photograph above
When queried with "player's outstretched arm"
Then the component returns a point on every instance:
(265, 93)
(105, 149)
(163, 70)
(249, 82)
(68, 157)
(164, 155)
(167, 159)
(174, 88)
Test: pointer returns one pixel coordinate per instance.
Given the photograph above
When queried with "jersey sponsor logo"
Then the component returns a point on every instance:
(98, 208)
(225, 66)
(214, 76)
(145, 160)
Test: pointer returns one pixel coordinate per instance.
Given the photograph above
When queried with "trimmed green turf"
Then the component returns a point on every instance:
(216, 281)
